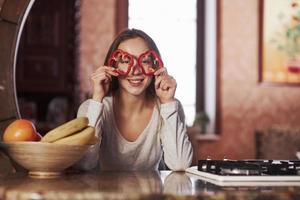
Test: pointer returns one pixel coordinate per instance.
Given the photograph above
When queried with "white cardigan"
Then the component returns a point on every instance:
(164, 136)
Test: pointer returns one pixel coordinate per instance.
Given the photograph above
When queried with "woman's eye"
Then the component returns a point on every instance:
(125, 61)
(146, 62)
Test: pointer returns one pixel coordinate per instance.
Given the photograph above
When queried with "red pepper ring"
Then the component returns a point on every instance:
(156, 59)
(116, 55)
(113, 59)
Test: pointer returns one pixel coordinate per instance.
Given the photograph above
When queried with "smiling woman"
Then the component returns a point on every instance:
(8, 97)
(188, 47)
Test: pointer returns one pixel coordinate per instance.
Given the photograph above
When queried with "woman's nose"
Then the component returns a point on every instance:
(136, 68)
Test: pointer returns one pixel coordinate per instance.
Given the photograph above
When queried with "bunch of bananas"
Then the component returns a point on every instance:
(74, 132)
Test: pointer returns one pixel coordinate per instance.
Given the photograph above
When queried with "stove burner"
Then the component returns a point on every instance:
(250, 167)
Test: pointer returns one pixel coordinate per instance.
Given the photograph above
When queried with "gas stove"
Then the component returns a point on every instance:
(248, 172)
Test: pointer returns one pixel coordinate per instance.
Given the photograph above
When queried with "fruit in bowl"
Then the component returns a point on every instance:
(21, 130)
(50, 155)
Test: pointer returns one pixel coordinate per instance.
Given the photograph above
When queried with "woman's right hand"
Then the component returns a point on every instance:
(101, 80)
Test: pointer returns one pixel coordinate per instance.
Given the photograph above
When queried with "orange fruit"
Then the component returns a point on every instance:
(21, 130)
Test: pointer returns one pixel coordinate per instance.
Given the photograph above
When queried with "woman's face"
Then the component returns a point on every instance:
(135, 83)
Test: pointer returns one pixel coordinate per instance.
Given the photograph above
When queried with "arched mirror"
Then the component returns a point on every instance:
(45, 74)
(37, 62)
(13, 14)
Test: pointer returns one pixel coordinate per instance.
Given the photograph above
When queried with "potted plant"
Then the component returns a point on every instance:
(201, 121)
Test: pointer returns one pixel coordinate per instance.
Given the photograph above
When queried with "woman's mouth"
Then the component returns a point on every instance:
(135, 81)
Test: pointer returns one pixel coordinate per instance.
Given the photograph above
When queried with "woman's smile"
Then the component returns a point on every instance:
(136, 81)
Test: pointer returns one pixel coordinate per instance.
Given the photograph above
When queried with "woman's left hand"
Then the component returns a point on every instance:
(165, 86)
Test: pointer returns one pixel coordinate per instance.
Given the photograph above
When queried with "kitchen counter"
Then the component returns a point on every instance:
(132, 185)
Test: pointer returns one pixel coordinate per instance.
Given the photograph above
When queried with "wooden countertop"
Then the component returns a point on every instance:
(132, 185)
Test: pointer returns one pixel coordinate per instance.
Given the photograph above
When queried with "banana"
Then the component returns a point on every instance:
(66, 129)
(81, 138)
(94, 140)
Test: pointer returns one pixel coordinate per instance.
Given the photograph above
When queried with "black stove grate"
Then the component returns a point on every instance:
(250, 167)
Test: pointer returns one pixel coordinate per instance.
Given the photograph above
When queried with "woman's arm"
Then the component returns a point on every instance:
(177, 148)
(93, 111)
(178, 152)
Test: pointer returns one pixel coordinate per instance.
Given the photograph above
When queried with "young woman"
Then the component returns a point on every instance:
(138, 121)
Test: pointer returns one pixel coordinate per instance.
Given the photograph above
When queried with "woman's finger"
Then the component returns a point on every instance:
(158, 80)
(161, 71)
(168, 82)
(113, 73)
(101, 77)
(165, 84)
(107, 69)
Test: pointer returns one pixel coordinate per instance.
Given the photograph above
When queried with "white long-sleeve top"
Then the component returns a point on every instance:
(165, 135)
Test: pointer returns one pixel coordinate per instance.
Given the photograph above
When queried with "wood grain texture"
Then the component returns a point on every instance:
(43, 158)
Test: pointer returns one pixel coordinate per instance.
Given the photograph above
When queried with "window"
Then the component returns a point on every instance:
(173, 28)
(187, 50)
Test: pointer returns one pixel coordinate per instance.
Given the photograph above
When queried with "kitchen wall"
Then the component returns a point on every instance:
(245, 105)
(97, 30)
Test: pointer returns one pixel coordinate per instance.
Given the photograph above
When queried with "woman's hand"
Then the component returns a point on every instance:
(101, 80)
(165, 86)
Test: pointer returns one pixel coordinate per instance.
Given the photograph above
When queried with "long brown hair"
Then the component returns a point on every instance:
(125, 35)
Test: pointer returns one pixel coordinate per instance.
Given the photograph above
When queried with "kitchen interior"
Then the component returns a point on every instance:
(254, 119)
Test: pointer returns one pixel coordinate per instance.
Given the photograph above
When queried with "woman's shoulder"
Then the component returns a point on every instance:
(90, 104)
(106, 101)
